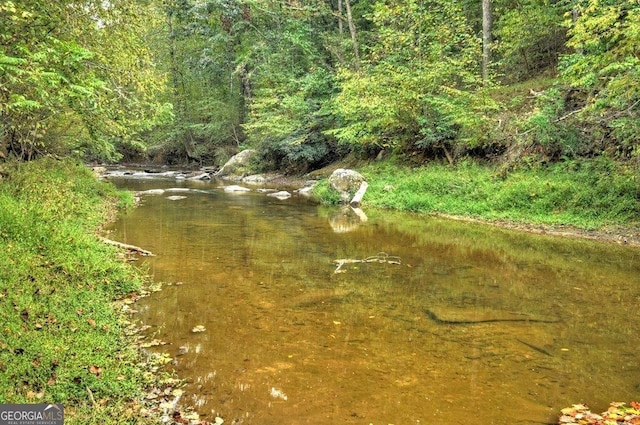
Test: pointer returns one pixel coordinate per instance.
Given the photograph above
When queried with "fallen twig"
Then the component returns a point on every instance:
(128, 247)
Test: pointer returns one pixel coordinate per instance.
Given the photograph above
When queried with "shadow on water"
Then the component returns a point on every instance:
(477, 325)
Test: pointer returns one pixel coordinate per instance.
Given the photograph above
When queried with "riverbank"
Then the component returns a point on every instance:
(65, 337)
(596, 199)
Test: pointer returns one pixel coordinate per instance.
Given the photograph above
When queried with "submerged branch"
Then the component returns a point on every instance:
(381, 257)
(431, 315)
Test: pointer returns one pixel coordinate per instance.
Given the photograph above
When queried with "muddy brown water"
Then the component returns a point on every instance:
(477, 325)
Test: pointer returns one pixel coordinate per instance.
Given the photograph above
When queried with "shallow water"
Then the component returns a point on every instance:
(477, 325)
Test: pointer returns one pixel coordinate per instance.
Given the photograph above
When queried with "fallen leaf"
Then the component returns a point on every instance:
(199, 328)
(96, 370)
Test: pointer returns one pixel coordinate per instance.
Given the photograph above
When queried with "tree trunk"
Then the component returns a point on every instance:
(487, 24)
(354, 38)
(340, 26)
(179, 89)
(357, 198)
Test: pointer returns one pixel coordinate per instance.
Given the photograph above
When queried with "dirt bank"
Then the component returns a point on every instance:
(618, 235)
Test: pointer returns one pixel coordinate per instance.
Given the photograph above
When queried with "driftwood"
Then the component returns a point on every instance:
(381, 257)
(128, 247)
(357, 198)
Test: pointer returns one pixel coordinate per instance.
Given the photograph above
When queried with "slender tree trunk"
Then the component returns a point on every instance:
(179, 89)
(340, 25)
(487, 24)
(354, 36)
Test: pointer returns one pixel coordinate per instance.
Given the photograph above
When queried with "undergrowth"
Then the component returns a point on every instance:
(63, 341)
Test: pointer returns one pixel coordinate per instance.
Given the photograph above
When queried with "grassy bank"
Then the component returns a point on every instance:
(587, 194)
(62, 340)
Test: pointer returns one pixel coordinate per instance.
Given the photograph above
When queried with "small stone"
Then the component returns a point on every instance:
(236, 189)
(283, 194)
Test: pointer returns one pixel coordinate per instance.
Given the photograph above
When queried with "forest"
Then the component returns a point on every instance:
(307, 82)
(508, 111)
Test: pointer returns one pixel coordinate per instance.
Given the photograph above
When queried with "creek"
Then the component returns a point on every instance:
(476, 325)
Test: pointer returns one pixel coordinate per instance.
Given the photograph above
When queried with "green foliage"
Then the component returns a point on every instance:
(286, 121)
(83, 66)
(529, 38)
(418, 87)
(606, 64)
(291, 83)
(61, 334)
(325, 194)
(546, 128)
(587, 194)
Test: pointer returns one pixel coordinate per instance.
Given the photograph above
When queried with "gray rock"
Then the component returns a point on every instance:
(203, 176)
(306, 191)
(283, 194)
(151, 192)
(346, 182)
(238, 164)
(236, 189)
(254, 179)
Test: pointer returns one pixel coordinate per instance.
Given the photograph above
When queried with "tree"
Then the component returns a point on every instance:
(487, 28)
(530, 37)
(75, 64)
(418, 90)
(606, 66)
(354, 35)
(292, 80)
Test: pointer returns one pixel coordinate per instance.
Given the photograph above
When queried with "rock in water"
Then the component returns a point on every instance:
(236, 189)
(345, 182)
(238, 164)
(283, 194)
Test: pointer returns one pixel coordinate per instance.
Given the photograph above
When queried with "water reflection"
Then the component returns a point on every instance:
(287, 340)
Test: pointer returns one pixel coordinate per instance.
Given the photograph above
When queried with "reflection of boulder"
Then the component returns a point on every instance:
(347, 219)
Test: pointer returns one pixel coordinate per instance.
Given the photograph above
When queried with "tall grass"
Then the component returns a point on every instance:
(62, 340)
(588, 193)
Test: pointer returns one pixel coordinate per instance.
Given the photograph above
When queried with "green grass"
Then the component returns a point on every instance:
(63, 341)
(588, 194)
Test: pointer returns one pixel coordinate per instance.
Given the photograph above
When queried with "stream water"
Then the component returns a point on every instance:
(476, 325)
